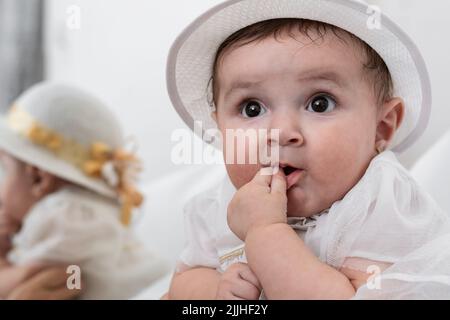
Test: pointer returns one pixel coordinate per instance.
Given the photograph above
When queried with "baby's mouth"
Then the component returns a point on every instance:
(292, 174)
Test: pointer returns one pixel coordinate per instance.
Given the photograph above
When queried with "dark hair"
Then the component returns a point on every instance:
(374, 65)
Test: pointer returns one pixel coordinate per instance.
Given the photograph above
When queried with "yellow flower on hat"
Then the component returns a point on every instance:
(124, 164)
(44, 137)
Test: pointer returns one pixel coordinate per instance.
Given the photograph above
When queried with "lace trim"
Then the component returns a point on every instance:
(304, 223)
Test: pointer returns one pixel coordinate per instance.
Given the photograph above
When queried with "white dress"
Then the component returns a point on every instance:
(77, 227)
(385, 217)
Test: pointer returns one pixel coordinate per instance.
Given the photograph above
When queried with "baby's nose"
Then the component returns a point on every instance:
(287, 131)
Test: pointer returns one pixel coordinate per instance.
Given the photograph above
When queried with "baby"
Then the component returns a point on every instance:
(339, 217)
(66, 196)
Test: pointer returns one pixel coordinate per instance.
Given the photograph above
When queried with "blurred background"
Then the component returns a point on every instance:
(117, 49)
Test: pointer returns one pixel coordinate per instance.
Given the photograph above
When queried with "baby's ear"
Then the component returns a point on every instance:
(42, 182)
(390, 117)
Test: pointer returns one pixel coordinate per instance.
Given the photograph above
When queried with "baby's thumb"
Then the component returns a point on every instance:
(263, 176)
(279, 184)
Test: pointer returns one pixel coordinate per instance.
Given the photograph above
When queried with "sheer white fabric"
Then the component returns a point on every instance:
(388, 217)
(384, 217)
(422, 274)
(77, 227)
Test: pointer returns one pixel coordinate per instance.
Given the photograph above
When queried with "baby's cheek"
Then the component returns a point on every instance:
(8, 202)
(241, 174)
(242, 159)
(341, 168)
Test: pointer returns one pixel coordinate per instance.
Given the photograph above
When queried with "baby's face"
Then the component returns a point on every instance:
(16, 196)
(318, 97)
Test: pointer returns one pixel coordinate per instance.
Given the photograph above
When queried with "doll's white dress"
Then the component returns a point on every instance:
(74, 226)
(386, 217)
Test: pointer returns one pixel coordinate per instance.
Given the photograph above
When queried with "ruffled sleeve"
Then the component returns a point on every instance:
(422, 274)
(199, 220)
(387, 217)
(383, 218)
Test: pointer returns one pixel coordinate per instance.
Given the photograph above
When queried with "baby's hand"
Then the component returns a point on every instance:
(238, 282)
(48, 284)
(261, 202)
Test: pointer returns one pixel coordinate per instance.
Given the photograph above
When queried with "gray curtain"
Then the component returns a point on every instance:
(21, 47)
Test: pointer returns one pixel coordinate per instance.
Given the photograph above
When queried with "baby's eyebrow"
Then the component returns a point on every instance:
(242, 85)
(330, 76)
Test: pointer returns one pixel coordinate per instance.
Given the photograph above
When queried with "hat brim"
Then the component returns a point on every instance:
(26, 151)
(190, 61)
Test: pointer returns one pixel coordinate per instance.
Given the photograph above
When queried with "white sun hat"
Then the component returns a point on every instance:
(191, 58)
(69, 133)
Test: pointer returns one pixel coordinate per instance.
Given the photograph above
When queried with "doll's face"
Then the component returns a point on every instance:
(316, 95)
(15, 190)
(21, 186)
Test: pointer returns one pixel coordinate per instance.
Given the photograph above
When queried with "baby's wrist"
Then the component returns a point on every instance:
(262, 230)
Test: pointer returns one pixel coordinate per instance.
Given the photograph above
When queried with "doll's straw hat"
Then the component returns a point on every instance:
(190, 61)
(70, 133)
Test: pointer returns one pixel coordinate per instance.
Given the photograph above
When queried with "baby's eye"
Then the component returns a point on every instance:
(252, 109)
(321, 104)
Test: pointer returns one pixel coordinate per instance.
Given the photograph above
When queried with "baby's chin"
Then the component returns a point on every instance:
(299, 205)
